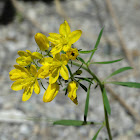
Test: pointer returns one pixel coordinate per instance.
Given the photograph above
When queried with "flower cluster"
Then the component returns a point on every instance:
(51, 61)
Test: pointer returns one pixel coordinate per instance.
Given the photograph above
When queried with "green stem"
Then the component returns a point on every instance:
(101, 87)
(42, 85)
(36, 65)
(71, 75)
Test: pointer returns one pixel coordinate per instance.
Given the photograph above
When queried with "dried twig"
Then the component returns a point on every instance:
(119, 33)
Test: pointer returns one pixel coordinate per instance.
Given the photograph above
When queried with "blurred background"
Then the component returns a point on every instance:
(20, 20)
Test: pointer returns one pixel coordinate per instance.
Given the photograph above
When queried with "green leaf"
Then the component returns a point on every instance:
(106, 102)
(127, 84)
(86, 52)
(83, 87)
(99, 38)
(97, 43)
(94, 138)
(118, 71)
(81, 59)
(87, 104)
(107, 62)
(85, 79)
(71, 122)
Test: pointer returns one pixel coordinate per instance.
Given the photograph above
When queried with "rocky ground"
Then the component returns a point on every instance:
(32, 120)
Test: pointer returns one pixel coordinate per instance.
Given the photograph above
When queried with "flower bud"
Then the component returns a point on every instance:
(42, 41)
(72, 88)
(51, 92)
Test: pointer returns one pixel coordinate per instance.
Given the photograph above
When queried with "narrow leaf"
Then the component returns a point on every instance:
(99, 38)
(87, 104)
(107, 62)
(97, 43)
(127, 84)
(81, 59)
(83, 87)
(106, 102)
(85, 79)
(86, 52)
(94, 138)
(118, 71)
(71, 122)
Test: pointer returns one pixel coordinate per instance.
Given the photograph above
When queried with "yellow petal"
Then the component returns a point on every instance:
(54, 38)
(46, 61)
(22, 69)
(36, 55)
(67, 47)
(74, 36)
(64, 57)
(16, 74)
(29, 52)
(24, 61)
(22, 53)
(36, 87)
(42, 41)
(64, 29)
(33, 70)
(54, 75)
(27, 93)
(43, 72)
(18, 85)
(56, 49)
(51, 92)
(64, 72)
(57, 57)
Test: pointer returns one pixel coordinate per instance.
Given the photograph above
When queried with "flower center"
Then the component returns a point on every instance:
(72, 54)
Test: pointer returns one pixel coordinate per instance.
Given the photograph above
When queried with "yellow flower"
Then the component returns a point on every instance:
(72, 53)
(53, 66)
(65, 39)
(42, 41)
(27, 57)
(25, 78)
(72, 88)
(51, 92)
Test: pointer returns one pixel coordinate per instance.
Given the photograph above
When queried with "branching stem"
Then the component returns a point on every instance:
(101, 85)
